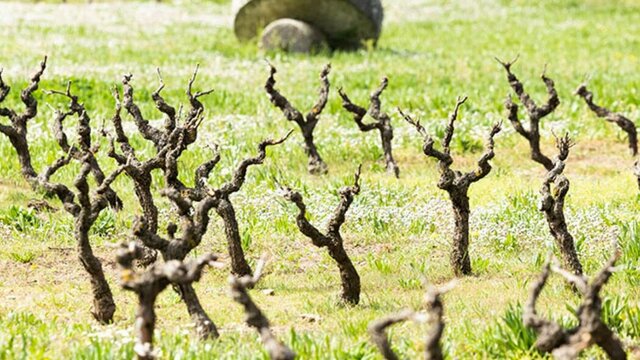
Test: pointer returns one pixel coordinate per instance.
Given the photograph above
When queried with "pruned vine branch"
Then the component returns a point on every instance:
(566, 344)
(552, 204)
(308, 122)
(435, 310)
(170, 141)
(331, 238)
(382, 123)
(219, 199)
(623, 122)
(457, 183)
(84, 205)
(254, 316)
(17, 131)
(535, 112)
(149, 283)
(193, 205)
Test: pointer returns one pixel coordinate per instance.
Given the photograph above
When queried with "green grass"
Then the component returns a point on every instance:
(397, 231)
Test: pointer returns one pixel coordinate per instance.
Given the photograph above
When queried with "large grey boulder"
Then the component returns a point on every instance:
(344, 23)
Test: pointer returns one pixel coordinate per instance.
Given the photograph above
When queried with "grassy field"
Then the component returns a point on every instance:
(397, 231)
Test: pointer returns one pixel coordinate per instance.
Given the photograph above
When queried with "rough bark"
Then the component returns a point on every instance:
(174, 137)
(552, 204)
(88, 207)
(86, 212)
(84, 140)
(170, 142)
(623, 123)
(534, 112)
(224, 207)
(149, 283)
(435, 309)
(172, 248)
(193, 206)
(566, 344)
(456, 184)
(254, 316)
(17, 131)
(331, 238)
(306, 123)
(382, 123)
(85, 206)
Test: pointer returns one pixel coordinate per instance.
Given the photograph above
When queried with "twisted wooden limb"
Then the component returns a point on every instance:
(331, 238)
(552, 204)
(89, 208)
(254, 316)
(623, 123)
(435, 309)
(567, 344)
(224, 206)
(16, 130)
(306, 123)
(534, 112)
(149, 283)
(457, 183)
(170, 142)
(172, 139)
(85, 207)
(378, 331)
(382, 124)
(84, 140)
(194, 222)
(193, 206)
(219, 199)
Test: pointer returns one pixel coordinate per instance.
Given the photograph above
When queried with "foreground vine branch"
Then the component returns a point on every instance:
(534, 112)
(254, 316)
(16, 131)
(435, 309)
(567, 344)
(193, 225)
(552, 204)
(194, 222)
(149, 283)
(306, 123)
(457, 183)
(623, 123)
(331, 238)
(382, 123)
